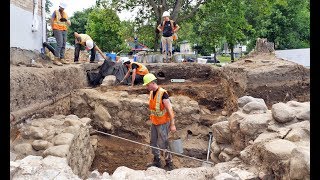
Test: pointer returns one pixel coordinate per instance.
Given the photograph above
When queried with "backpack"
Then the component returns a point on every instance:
(174, 36)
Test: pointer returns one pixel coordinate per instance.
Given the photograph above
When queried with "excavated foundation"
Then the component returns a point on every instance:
(207, 96)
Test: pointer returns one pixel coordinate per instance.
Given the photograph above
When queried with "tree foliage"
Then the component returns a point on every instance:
(104, 27)
(78, 23)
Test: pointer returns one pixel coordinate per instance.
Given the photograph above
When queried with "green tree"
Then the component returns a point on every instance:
(104, 27)
(78, 23)
(149, 12)
(284, 22)
(219, 20)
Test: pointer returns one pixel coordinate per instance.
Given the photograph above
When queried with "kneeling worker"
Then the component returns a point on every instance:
(138, 71)
(85, 40)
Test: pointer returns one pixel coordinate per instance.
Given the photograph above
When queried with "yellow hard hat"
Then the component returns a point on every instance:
(148, 78)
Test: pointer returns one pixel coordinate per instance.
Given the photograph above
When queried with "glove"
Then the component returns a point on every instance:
(63, 19)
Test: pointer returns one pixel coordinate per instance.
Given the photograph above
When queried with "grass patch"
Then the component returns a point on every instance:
(225, 59)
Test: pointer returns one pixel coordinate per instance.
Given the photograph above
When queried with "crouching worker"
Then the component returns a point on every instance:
(86, 41)
(138, 71)
(162, 119)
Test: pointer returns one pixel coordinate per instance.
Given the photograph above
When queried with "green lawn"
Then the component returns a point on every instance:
(225, 59)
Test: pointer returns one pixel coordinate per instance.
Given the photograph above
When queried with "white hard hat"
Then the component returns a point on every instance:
(89, 44)
(125, 59)
(166, 13)
(63, 5)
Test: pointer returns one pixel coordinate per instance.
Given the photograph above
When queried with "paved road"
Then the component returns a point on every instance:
(300, 56)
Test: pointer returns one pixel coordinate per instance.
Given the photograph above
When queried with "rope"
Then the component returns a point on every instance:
(164, 150)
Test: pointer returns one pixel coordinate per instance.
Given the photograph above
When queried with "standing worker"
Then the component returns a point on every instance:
(138, 71)
(168, 28)
(162, 118)
(59, 24)
(85, 40)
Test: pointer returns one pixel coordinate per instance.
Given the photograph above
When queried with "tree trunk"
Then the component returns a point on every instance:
(232, 54)
(156, 43)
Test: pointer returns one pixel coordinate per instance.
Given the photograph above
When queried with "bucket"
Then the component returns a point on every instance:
(175, 144)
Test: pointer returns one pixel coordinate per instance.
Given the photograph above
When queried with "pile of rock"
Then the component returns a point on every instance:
(66, 137)
(272, 142)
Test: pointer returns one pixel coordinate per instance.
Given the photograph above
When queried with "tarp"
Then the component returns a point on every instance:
(108, 67)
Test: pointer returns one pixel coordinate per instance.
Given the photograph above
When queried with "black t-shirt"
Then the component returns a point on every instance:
(134, 66)
(164, 96)
(167, 29)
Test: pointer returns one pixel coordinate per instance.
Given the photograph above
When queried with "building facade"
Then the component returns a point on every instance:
(27, 24)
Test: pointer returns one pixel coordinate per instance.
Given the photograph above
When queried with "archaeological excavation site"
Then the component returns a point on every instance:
(246, 120)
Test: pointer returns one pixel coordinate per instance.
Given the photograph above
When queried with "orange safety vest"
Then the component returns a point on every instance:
(158, 113)
(141, 70)
(57, 24)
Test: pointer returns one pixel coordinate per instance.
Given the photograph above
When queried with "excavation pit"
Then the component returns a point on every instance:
(207, 96)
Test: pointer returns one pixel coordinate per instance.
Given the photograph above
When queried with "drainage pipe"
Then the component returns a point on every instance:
(35, 22)
(18, 116)
(44, 23)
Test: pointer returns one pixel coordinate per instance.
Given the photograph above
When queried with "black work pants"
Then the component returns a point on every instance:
(77, 52)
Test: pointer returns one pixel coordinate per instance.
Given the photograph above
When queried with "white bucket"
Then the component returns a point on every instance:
(175, 145)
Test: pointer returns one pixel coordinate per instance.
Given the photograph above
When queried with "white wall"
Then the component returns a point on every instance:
(21, 34)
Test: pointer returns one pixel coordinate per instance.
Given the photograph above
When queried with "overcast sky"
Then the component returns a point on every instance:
(79, 5)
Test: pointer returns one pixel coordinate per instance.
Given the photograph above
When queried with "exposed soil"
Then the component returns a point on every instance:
(113, 152)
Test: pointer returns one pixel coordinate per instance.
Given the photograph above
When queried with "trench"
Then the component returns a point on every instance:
(112, 152)
(211, 93)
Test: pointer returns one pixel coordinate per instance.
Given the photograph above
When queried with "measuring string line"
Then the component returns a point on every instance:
(164, 150)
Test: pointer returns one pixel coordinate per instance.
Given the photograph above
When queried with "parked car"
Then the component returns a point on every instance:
(211, 59)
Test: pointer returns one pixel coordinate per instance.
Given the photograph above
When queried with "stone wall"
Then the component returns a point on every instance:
(60, 136)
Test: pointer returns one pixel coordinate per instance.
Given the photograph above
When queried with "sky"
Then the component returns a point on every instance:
(79, 5)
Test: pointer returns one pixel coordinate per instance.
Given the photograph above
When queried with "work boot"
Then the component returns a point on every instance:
(63, 61)
(156, 162)
(56, 61)
(168, 166)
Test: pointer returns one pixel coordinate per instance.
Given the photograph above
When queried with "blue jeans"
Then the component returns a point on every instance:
(159, 138)
(61, 38)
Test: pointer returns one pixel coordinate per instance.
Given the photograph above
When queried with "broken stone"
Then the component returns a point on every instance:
(221, 132)
(242, 174)
(282, 113)
(64, 138)
(224, 157)
(224, 176)
(40, 144)
(300, 163)
(60, 151)
(23, 148)
(278, 149)
(253, 125)
(255, 107)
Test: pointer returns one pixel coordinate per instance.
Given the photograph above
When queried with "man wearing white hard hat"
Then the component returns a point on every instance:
(168, 28)
(59, 24)
(138, 71)
(86, 41)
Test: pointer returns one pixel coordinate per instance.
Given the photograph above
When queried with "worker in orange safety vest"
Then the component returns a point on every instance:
(162, 119)
(59, 24)
(138, 71)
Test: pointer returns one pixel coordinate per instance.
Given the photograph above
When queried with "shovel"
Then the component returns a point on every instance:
(208, 152)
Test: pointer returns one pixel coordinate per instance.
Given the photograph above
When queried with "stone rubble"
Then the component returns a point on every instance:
(252, 143)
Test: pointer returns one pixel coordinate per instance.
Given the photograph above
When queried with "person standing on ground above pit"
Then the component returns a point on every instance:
(59, 24)
(85, 40)
(168, 28)
(162, 119)
(138, 71)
